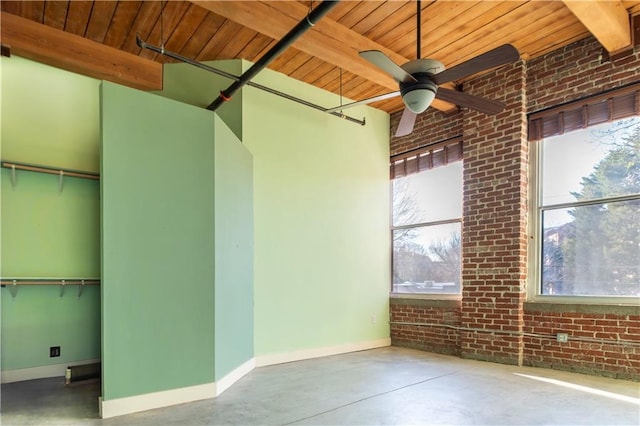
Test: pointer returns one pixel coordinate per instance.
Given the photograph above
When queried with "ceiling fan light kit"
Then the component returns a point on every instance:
(418, 99)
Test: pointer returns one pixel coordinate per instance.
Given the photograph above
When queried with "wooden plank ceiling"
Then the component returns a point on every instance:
(452, 32)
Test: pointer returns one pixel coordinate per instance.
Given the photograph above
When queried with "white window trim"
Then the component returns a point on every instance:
(535, 248)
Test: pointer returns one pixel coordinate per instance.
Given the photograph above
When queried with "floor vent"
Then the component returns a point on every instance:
(79, 373)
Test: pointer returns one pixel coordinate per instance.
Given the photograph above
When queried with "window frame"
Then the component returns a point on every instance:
(536, 210)
(453, 145)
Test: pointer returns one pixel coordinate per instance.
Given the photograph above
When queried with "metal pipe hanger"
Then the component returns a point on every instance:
(286, 41)
(244, 79)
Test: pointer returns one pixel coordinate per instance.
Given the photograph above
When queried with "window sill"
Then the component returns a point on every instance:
(433, 300)
(583, 308)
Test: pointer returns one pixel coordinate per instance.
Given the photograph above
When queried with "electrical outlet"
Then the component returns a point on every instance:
(562, 337)
(54, 351)
(373, 319)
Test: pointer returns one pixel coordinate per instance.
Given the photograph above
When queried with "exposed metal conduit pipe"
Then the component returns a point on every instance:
(310, 20)
(144, 45)
(517, 333)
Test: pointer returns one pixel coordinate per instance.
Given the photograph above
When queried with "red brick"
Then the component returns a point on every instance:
(495, 239)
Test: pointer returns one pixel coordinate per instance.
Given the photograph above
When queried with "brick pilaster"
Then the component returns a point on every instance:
(494, 233)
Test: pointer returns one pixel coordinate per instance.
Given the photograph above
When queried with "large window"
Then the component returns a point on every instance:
(426, 221)
(588, 211)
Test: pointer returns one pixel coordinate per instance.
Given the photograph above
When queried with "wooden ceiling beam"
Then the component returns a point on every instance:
(326, 40)
(61, 49)
(608, 21)
(275, 22)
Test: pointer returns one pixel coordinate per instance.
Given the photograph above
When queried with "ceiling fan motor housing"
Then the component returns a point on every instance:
(422, 91)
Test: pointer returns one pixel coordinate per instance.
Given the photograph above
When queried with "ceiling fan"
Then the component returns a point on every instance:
(419, 80)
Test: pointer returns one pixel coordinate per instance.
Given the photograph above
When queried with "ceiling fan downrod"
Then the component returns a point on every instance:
(418, 30)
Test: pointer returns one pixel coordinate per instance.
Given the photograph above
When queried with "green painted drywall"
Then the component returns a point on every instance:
(233, 210)
(1, 295)
(158, 243)
(321, 220)
(195, 86)
(39, 318)
(233, 252)
(321, 206)
(48, 233)
(50, 116)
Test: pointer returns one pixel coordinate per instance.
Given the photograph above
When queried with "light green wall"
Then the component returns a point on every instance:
(47, 233)
(233, 210)
(158, 243)
(39, 318)
(234, 251)
(195, 86)
(48, 117)
(321, 220)
(321, 206)
(321, 240)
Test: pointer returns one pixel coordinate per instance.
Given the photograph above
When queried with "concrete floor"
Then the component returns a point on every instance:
(383, 386)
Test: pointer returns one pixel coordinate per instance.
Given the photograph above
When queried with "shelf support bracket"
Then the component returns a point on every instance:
(80, 288)
(14, 289)
(62, 284)
(13, 176)
(60, 181)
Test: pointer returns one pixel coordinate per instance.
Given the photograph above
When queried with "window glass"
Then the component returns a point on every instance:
(428, 196)
(426, 259)
(427, 211)
(590, 211)
(588, 164)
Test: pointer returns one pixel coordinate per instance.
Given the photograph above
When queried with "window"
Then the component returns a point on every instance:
(426, 220)
(588, 211)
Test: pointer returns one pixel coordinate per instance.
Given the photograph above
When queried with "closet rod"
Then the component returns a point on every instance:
(13, 283)
(50, 170)
(47, 281)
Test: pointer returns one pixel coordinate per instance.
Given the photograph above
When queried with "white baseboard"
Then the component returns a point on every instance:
(303, 354)
(149, 401)
(238, 373)
(133, 404)
(43, 372)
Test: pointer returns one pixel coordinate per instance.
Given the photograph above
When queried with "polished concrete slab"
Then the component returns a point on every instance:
(392, 386)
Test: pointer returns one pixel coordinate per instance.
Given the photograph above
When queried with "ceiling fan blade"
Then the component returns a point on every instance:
(469, 101)
(493, 58)
(364, 101)
(383, 62)
(407, 121)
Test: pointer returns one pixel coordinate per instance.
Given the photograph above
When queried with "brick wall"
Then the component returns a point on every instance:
(577, 71)
(602, 340)
(432, 126)
(439, 330)
(495, 321)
